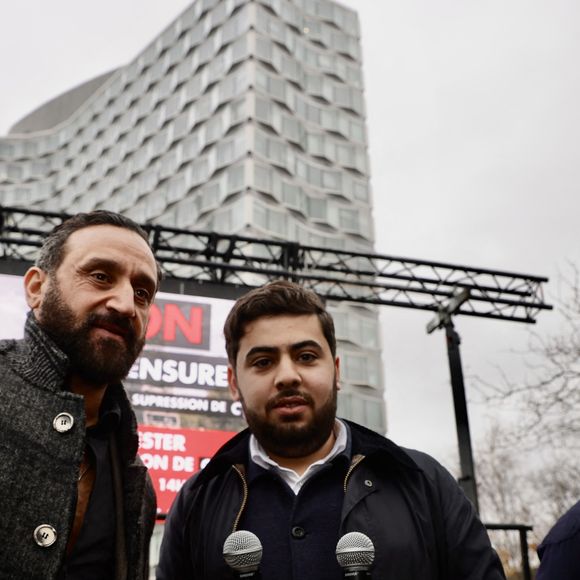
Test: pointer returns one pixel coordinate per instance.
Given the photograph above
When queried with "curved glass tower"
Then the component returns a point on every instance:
(243, 116)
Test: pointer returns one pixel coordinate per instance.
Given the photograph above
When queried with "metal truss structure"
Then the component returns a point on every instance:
(447, 289)
(333, 274)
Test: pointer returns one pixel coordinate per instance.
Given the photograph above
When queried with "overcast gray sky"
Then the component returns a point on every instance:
(474, 125)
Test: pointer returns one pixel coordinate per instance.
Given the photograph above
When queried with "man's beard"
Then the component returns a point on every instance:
(285, 438)
(97, 361)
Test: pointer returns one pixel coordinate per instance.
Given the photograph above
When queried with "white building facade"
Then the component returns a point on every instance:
(244, 117)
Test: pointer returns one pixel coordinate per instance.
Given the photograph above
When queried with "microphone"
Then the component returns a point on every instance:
(355, 553)
(243, 553)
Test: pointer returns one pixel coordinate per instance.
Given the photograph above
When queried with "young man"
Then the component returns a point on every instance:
(299, 478)
(76, 502)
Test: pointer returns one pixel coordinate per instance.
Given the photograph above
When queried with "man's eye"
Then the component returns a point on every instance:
(100, 276)
(143, 295)
(262, 363)
(307, 357)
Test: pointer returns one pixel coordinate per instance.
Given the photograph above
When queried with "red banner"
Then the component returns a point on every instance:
(174, 455)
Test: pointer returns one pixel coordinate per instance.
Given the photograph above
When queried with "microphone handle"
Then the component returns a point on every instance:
(357, 575)
(254, 575)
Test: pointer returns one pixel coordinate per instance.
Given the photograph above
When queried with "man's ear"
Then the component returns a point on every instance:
(233, 383)
(35, 282)
(337, 371)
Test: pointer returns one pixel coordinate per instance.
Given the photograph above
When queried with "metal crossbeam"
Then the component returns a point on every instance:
(333, 274)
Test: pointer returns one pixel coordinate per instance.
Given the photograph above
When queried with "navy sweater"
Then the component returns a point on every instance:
(298, 532)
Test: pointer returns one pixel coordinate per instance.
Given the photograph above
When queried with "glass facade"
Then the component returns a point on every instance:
(243, 117)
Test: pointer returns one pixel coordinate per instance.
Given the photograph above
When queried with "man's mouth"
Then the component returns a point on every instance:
(290, 402)
(118, 330)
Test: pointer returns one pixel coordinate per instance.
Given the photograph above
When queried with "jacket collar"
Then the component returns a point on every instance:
(42, 363)
(369, 443)
(364, 442)
(38, 359)
(233, 452)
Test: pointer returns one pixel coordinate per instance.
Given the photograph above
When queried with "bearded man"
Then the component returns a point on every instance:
(75, 500)
(299, 478)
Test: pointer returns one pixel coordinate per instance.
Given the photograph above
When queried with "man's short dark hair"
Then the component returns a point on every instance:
(53, 249)
(278, 298)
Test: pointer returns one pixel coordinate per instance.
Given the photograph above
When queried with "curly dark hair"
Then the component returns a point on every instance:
(274, 299)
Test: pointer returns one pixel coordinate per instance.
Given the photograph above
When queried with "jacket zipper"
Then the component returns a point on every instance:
(244, 499)
(355, 462)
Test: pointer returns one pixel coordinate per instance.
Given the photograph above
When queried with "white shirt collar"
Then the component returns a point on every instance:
(295, 481)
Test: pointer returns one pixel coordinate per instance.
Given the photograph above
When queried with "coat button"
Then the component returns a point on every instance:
(298, 532)
(63, 422)
(45, 535)
(368, 483)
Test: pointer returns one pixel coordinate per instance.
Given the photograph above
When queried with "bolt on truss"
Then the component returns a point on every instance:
(333, 274)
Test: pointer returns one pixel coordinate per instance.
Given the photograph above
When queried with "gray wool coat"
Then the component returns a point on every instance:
(40, 460)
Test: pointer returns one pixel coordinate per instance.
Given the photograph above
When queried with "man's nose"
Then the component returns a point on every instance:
(122, 299)
(287, 373)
